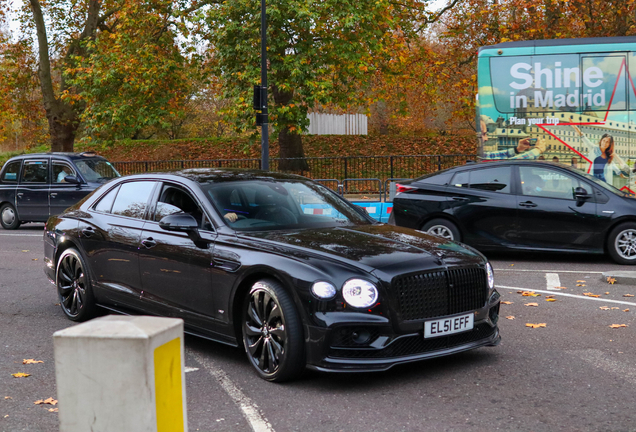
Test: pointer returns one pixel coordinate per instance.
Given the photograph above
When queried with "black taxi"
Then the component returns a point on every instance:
(36, 186)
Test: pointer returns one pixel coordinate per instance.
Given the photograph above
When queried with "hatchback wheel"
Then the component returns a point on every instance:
(621, 243)
(272, 332)
(9, 217)
(442, 228)
(74, 287)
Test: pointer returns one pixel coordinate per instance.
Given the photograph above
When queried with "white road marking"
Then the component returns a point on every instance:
(568, 295)
(190, 369)
(552, 281)
(599, 359)
(23, 235)
(256, 420)
(551, 271)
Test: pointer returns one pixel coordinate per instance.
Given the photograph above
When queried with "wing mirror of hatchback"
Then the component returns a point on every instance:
(72, 179)
(581, 194)
(179, 222)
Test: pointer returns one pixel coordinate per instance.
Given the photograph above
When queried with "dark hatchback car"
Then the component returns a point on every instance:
(521, 205)
(34, 187)
(275, 263)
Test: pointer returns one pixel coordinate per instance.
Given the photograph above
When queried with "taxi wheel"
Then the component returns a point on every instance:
(621, 243)
(74, 286)
(272, 332)
(9, 217)
(442, 228)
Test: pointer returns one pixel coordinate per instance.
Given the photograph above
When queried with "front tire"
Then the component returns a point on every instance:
(74, 286)
(621, 243)
(442, 228)
(272, 332)
(9, 217)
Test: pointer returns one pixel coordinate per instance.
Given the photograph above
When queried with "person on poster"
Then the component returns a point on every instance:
(523, 151)
(605, 162)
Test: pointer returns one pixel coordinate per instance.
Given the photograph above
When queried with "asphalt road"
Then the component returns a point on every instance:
(574, 374)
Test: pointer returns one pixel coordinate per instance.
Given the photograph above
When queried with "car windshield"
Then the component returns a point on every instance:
(96, 170)
(255, 205)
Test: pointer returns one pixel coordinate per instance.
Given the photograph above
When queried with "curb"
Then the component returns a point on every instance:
(622, 277)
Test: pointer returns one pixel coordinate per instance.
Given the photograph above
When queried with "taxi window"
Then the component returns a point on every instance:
(35, 172)
(11, 172)
(61, 170)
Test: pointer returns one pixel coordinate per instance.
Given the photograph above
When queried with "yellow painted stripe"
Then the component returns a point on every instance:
(168, 390)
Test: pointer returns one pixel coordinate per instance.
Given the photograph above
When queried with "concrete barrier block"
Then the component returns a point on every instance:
(121, 373)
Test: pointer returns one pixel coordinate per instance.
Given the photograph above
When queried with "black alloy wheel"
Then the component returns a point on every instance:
(73, 286)
(272, 332)
(442, 228)
(9, 217)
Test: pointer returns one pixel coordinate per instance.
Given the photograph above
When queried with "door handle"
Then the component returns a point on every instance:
(527, 204)
(149, 243)
(53, 194)
(88, 231)
(20, 194)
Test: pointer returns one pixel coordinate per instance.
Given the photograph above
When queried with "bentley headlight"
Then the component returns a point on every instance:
(490, 275)
(323, 290)
(359, 293)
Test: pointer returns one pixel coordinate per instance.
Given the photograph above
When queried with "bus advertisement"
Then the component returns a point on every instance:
(571, 101)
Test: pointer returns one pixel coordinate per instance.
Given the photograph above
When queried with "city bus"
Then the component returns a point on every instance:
(571, 101)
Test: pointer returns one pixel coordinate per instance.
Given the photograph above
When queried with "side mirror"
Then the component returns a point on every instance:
(72, 179)
(179, 222)
(581, 194)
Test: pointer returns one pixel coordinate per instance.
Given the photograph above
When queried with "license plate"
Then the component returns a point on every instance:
(447, 326)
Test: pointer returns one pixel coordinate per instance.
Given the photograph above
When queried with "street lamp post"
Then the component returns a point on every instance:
(263, 95)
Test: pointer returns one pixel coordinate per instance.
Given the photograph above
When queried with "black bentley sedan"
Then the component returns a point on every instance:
(38, 185)
(521, 205)
(276, 263)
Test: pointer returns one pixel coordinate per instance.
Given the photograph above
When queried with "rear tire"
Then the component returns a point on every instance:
(621, 243)
(9, 217)
(74, 286)
(272, 332)
(442, 228)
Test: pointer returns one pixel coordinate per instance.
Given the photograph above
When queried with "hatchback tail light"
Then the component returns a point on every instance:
(403, 188)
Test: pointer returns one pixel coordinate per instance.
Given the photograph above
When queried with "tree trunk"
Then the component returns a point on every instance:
(290, 143)
(291, 151)
(62, 126)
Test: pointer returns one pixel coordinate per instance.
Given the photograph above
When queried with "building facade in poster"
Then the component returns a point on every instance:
(568, 101)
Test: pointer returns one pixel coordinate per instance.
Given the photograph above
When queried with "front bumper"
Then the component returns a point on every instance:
(367, 346)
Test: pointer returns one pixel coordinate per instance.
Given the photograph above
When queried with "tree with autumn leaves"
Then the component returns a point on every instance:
(110, 69)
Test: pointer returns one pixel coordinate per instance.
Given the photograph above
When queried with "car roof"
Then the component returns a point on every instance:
(491, 163)
(205, 175)
(61, 155)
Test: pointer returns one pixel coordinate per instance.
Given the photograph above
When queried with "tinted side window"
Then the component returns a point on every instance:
(460, 179)
(174, 200)
(106, 203)
(132, 199)
(491, 179)
(35, 172)
(548, 183)
(439, 179)
(11, 172)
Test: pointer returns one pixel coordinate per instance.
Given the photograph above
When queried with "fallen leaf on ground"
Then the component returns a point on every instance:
(607, 293)
(625, 310)
(49, 401)
(510, 317)
(614, 308)
(511, 265)
(25, 251)
(589, 294)
(530, 294)
(31, 361)
(53, 409)
(549, 296)
(6, 416)
(581, 285)
(8, 397)
(581, 281)
(604, 308)
(20, 375)
(532, 304)
(551, 299)
(535, 325)
(560, 287)
(611, 280)
(618, 325)
(506, 302)
(34, 259)
(628, 295)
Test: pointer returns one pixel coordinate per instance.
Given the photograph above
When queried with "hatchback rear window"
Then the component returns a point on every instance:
(11, 172)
